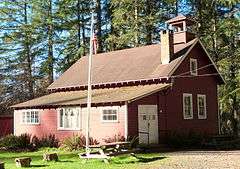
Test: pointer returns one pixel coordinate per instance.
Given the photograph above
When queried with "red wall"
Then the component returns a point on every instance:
(170, 109)
(6, 125)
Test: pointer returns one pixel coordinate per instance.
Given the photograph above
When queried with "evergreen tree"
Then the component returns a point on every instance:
(17, 42)
(44, 19)
(74, 20)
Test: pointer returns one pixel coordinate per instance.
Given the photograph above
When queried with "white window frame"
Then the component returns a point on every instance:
(30, 111)
(191, 103)
(191, 71)
(205, 106)
(59, 116)
(110, 108)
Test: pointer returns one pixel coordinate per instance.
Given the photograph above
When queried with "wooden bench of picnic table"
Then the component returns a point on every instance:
(116, 146)
(103, 150)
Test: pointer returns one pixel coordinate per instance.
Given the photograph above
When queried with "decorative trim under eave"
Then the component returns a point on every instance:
(112, 84)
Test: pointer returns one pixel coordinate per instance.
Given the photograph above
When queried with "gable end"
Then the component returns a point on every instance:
(220, 78)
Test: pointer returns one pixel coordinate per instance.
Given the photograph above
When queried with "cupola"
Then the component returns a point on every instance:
(181, 26)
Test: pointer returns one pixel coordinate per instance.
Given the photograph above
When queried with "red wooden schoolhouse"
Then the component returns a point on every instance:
(146, 91)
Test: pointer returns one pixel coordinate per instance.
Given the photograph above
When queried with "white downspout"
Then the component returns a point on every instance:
(14, 130)
(126, 121)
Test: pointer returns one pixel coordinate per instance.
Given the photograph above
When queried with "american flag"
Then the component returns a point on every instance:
(95, 43)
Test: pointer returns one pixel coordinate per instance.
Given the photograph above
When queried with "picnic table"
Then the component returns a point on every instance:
(104, 151)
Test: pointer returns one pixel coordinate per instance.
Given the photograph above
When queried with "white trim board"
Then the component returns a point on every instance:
(126, 121)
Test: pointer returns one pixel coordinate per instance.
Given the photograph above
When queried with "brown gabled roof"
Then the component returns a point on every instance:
(111, 95)
(119, 66)
(178, 19)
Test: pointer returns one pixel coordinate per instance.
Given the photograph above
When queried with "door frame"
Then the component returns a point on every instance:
(156, 128)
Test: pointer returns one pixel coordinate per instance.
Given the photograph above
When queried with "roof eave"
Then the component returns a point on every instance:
(150, 93)
(161, 79)
(46, 105)
(222, 81)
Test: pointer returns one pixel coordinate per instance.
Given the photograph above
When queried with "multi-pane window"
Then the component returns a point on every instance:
(187, 106)
(30, 117)
(69, 118)
(193, 67)
(109, 115)
(202, 110)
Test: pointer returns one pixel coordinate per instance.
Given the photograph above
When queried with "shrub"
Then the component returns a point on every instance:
(134, 141)
(49, 141)
(46, 141)
(115, 138)
(26, 142)
(185, 140)
(35, 141)
(77, 142)
(11, 142)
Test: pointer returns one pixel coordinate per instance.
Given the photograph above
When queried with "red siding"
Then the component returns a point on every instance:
(48, 125)
(6, 126)
(170, 109)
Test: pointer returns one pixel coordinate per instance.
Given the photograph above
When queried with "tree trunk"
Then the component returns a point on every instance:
(112, 45)
(176, 8)
(149, 26)
(79, 24)
(83, 33)
(28, 64)
(234, 118)
(99, 25)
(50, 44)
(136, 23)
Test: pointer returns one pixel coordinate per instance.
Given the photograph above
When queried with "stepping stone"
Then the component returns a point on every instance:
(1, 165)
(23, 162)
(50, 157)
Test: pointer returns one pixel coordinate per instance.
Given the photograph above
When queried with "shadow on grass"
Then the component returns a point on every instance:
(12, 157)
(65, 161)
(147, 160)
(136, 159)
(33, 166)
(33, 156)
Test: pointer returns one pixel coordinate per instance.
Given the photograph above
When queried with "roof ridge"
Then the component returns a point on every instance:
(119, 50)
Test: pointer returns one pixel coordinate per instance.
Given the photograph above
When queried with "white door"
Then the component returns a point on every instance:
(148, 124)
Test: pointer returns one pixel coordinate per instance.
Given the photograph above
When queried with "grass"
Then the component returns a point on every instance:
(70, 160)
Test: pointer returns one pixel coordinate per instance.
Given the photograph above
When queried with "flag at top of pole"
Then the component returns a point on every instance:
(89, 96)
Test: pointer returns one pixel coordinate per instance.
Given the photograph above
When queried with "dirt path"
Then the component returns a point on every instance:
(200, 160)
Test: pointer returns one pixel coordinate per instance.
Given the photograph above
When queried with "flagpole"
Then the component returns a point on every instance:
(89, 93)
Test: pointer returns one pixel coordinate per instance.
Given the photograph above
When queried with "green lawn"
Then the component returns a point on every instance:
(70, 160)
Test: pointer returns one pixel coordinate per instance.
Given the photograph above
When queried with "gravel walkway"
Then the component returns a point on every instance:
(201, 160)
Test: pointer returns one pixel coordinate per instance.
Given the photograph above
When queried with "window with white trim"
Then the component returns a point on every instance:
(30, 117)
(202, 108)
(187, 106)
(69, 118)
(110, 114)
(193, 66)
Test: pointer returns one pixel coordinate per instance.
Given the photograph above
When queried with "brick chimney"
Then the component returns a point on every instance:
(167, 46)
